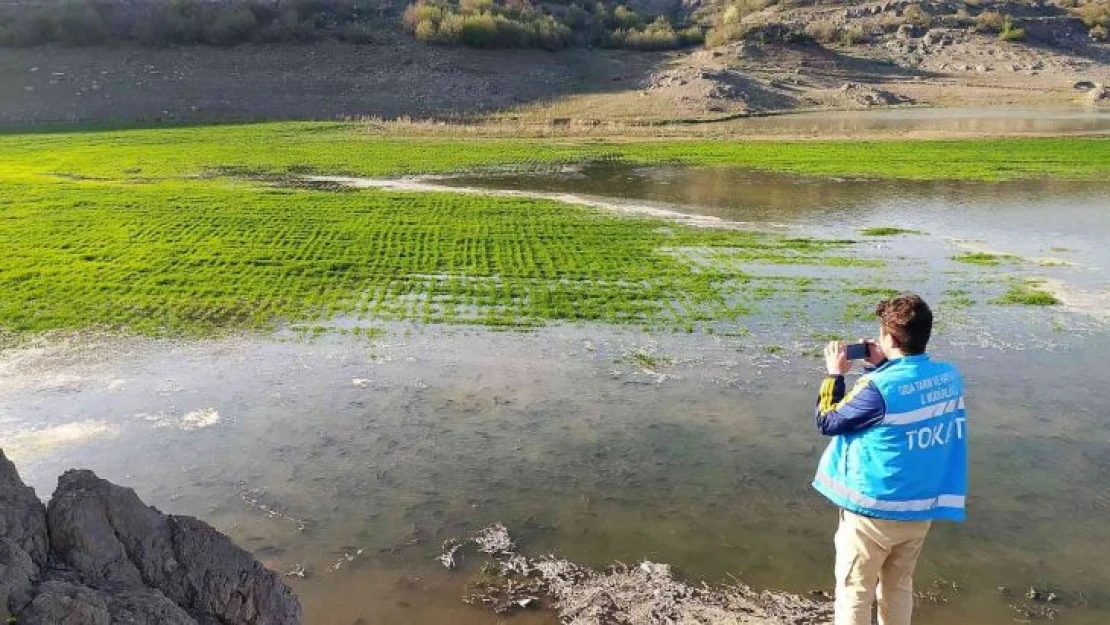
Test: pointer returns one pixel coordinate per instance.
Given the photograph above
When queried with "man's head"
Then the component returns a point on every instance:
(905, 325)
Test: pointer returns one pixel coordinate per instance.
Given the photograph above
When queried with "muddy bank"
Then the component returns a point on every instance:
(644, 594)
(576, 90)
(98, 555)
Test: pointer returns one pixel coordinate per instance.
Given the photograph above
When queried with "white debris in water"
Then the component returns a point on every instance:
(297, 571)
(451, 554)
(360, 382)
(494, 540)
(346, 558)
(200, 419)
(191, 421)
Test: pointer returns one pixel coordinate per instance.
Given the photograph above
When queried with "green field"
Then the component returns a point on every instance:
(183, 231)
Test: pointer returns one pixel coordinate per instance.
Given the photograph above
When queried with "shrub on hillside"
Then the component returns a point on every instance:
(990, 22)
(1098, 33)
(1009, 32)
(659, 35)
(726, 33)
(186, 22)
(1094, 14)
(729, 25)
(823, 32)
(519, 24)
(914, 15)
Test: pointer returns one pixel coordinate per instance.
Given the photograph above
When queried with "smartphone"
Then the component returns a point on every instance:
(858, 351)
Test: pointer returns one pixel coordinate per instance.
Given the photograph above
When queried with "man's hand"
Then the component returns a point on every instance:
(836, 358)
(875, 356)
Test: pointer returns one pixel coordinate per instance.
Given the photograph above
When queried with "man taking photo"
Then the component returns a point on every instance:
(897, 460)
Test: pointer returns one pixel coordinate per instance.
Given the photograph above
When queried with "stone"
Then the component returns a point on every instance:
(22, 515)
(108, 536)
(18, 574)
(1099, 94)
(61, 603)
(97, 555)
(23, 539)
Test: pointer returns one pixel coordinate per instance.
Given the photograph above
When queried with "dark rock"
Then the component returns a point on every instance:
(111, 539)
(22, 515)
(23, 539)
(62, 603)
(98, 555)
(18, 574)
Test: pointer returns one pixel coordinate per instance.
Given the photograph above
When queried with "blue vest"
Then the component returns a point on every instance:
(912, 465)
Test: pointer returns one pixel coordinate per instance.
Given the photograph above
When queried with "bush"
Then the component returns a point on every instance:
(79, 25)
(725, 33)
(231, 25)
(1095, 15)
(990, 22)
(853, 35)
(691, 36)
(1009, 33)
(184, 22)
(518, 24)
(1098, 33)
(625, 18)
(479, 31)
(823, 32)
(916, 16)
(420, 12)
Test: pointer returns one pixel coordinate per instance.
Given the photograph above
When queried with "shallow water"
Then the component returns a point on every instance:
(356, 458)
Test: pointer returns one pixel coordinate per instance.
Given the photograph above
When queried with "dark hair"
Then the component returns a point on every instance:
(908, 320)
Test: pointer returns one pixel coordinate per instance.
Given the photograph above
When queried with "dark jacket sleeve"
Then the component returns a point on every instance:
(838, 413)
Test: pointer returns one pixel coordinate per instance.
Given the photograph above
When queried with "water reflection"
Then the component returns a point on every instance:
(355, 459)
(559, 435)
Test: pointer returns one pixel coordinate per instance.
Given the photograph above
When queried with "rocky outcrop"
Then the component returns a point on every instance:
(98, 555)
(23, 539)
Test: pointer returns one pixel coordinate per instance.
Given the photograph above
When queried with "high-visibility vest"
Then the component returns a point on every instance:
(911, 465)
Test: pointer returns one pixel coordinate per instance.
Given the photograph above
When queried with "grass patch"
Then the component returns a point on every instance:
(647, 360)
(984, 258)
(364, 149)
(879, 293)
(1025, 293)
(957, 299)
(157, 231)
(886, 231)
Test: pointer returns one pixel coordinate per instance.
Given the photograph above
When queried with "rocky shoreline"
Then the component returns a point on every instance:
(645, 594)
(98, 555)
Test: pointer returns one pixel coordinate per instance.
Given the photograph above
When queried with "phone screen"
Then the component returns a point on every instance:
(857, 351)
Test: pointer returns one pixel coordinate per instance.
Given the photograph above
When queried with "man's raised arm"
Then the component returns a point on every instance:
(837, 413)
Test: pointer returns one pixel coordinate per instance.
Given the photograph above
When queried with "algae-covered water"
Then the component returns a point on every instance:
(355, 457)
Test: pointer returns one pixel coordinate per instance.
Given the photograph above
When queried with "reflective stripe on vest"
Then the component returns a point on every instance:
(911, 505)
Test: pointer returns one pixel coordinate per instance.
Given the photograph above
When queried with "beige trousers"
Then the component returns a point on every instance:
(876, 556)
